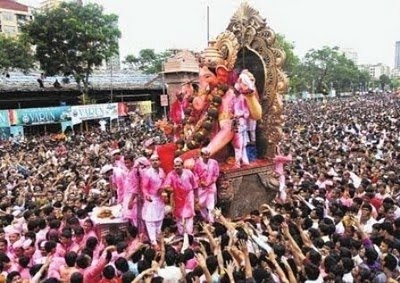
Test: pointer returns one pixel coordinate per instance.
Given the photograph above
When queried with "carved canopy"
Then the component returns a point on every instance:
(261, 56)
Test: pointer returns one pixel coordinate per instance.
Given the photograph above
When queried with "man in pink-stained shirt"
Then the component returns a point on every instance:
(117, 177)
(66, 244)
(92, 272)
(153, 204)
(279, 162)
(176, 113)
(56, 260)
(89, 230)
(182, 183)
(130, 190)
(206, 171)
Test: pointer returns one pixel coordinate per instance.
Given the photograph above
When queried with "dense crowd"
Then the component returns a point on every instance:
(336, 218)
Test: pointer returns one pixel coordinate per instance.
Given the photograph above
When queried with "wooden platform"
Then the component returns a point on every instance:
(245, 189)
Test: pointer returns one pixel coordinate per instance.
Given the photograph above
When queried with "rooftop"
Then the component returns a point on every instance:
(98, 81)
(13, 5)
(183, 61)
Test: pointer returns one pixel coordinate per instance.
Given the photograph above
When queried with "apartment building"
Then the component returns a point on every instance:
(12, 16)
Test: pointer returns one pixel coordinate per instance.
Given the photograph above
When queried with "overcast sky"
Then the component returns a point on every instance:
(370, 27)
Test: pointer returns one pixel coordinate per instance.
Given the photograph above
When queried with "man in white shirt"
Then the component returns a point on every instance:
(170, 273)
(366, 220)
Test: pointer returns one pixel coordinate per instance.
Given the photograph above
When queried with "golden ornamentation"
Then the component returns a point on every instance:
(228, 46)
(220, 52)
(253, 33)
(211, 56)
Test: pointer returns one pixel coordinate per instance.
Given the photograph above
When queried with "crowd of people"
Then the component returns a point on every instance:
(336, 217)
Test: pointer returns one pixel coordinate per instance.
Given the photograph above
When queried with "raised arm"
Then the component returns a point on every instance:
(202, 263)
(279, 271)
(247, 266)
(295, 248)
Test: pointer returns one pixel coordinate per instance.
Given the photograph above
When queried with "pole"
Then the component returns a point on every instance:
(312, 88)
(163, 87)
(208, 24)
(111, 88)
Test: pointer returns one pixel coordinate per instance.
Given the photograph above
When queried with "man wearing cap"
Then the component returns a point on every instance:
(182, 183)
(153, 204)
(13, 235)
(118, 174)
(130, 191)
(206, 171)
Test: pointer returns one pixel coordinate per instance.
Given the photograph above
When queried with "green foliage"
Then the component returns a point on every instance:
(384, 81)
(395, 83)
(292, 65)
(15, 53)
(148, 61)
(73, 39)
(292, 61)
(328, 67)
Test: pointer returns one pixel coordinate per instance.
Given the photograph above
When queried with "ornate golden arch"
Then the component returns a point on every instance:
(257, 40)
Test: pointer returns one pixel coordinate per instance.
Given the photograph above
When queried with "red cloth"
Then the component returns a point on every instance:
(180, 195)
(166, 153)
(376, 202)
(176, 112)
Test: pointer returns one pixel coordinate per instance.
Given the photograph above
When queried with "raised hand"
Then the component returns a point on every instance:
(201, 260)
(272, 256)
(285, 228)
(230, 268)
(217, 212)
(243, 246)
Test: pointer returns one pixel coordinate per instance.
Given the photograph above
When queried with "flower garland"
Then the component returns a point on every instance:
(197, 128)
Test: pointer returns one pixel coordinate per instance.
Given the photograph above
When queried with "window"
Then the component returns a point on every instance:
(7, 16)
(10, 29)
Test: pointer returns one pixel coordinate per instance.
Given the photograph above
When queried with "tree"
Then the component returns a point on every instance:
(327, 67)
(148, 61)
(131, 61)
(364, 78)
(384, 81)
(292, 60)
(73, 39)
(395, 84)
(292, 65)
(15, 53)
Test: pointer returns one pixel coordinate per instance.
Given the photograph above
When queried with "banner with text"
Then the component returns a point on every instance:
(142, 107)
(37, 116)
(4, 120)
(4, 133)
(93, 111)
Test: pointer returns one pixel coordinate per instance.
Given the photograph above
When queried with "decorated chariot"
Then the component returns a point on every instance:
(234, 111)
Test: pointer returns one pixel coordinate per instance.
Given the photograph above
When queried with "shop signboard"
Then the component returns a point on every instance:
(39, 116)
(164, 100)
(93, 111)
(4, 133)
(141, 107)
(4, 119)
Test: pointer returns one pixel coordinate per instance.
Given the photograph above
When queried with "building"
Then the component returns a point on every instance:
(49, 4)
(181, 67)
(396, 73)
(350, 54)
(377, 70)
(134, 89)
(397, 56)
(12, 16)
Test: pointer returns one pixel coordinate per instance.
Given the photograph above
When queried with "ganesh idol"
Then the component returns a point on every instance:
(210, 118)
